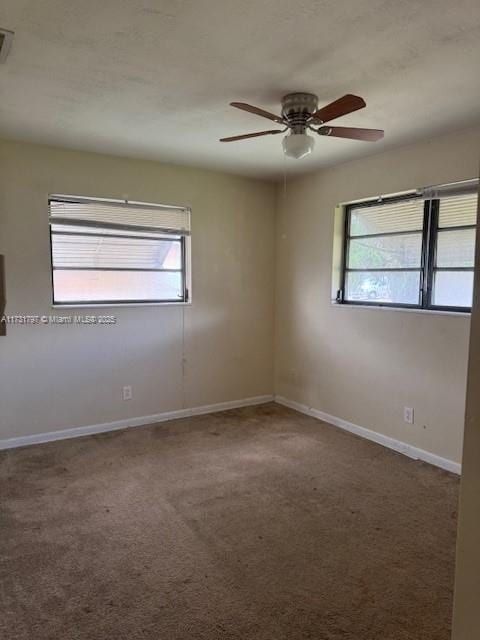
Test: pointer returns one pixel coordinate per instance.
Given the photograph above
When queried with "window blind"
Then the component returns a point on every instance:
(458, 211)
(385, 218)
(133, 216)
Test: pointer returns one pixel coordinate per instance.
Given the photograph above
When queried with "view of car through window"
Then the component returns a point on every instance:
(374, 288)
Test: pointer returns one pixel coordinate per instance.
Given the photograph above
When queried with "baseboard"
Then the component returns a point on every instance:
(390, 443)
(77, 432)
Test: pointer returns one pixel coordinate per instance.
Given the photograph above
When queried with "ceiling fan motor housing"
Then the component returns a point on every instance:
(297, 109)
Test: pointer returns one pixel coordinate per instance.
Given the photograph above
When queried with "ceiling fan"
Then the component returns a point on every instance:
(300, 112)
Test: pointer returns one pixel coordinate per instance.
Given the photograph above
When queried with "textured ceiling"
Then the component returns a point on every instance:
(153, 78)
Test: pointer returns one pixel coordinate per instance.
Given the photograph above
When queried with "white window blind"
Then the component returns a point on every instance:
(116, 252)
(135, 216)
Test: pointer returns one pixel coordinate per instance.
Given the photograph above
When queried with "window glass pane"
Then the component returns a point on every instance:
(107, 252)
(402, 287)
(383, 252)
(453, 288)
(387, 217)
(456, 248)
(98, 286)
(458, 211)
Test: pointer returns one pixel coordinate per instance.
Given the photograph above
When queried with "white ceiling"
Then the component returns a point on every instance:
(153, 78)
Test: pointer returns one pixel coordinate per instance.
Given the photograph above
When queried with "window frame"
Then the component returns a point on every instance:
(427, 267)
(184, 260)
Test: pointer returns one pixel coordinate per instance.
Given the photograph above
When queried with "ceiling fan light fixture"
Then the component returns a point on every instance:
(297, 145)
(300, 112)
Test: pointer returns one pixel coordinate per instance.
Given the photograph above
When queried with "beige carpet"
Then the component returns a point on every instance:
(257, 523)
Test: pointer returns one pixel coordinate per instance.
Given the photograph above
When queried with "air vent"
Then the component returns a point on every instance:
(6, 38)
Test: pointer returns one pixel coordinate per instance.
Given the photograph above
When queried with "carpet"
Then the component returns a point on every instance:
(255, 523)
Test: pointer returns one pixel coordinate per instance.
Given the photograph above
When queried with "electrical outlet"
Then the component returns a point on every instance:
(408, 415)
(127, 392)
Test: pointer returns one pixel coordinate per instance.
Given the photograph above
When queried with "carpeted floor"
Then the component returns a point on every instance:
(257, 523)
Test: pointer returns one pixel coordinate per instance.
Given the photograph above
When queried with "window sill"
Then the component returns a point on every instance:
(371, 307)
(136, 305)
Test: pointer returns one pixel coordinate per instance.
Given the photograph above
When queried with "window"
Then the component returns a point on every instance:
(411, 251)
(454, 254)
(113, 252)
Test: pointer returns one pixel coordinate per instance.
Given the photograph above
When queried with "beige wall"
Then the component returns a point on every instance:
(58, 377)
(362, 365)
(466, 616)
(365, 365)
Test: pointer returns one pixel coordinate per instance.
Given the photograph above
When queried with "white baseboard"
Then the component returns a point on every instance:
(390, 443)
(77, 432)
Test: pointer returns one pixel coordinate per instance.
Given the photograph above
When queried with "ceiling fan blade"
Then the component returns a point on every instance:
(252, 135)
(257, 111)
(340, 107)
(353, 133)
